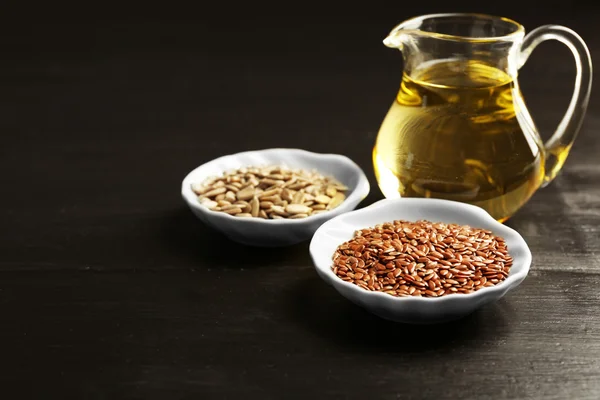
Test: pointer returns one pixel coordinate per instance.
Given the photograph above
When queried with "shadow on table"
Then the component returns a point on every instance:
(188, 237)
(327, 314)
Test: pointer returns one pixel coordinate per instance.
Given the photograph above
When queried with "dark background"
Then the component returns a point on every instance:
(110, 288)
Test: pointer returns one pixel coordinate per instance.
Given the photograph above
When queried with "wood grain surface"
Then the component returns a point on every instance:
(110, 288)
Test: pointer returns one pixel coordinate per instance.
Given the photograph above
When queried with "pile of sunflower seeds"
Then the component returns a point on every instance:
(423, 258)
(271, 192)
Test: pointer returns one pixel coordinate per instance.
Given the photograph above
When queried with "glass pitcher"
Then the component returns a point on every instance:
(459, 128)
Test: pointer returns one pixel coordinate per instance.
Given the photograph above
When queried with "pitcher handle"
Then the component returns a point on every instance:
(558, 146)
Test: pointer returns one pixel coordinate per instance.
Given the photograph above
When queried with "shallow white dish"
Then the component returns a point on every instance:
(417, 309)
(279, 232)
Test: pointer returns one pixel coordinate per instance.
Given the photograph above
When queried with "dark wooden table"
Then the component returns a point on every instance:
(110, 288)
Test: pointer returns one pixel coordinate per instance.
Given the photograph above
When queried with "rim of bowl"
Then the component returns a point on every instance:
(500, 229)
(358, 194)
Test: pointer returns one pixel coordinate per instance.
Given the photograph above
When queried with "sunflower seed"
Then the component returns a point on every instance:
(268, 191)
(297, 209)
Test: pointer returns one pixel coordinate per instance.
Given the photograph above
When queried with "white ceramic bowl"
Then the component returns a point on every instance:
(278, 232)
(417, 309)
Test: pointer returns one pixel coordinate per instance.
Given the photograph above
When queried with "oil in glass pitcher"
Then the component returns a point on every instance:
(458, 128)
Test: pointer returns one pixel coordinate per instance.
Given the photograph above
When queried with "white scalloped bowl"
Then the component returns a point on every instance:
(417, 310)
(277, 232)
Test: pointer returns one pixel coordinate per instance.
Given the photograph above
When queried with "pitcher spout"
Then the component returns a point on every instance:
(396, 38)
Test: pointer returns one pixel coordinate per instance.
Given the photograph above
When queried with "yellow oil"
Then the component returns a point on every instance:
(459, 130)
